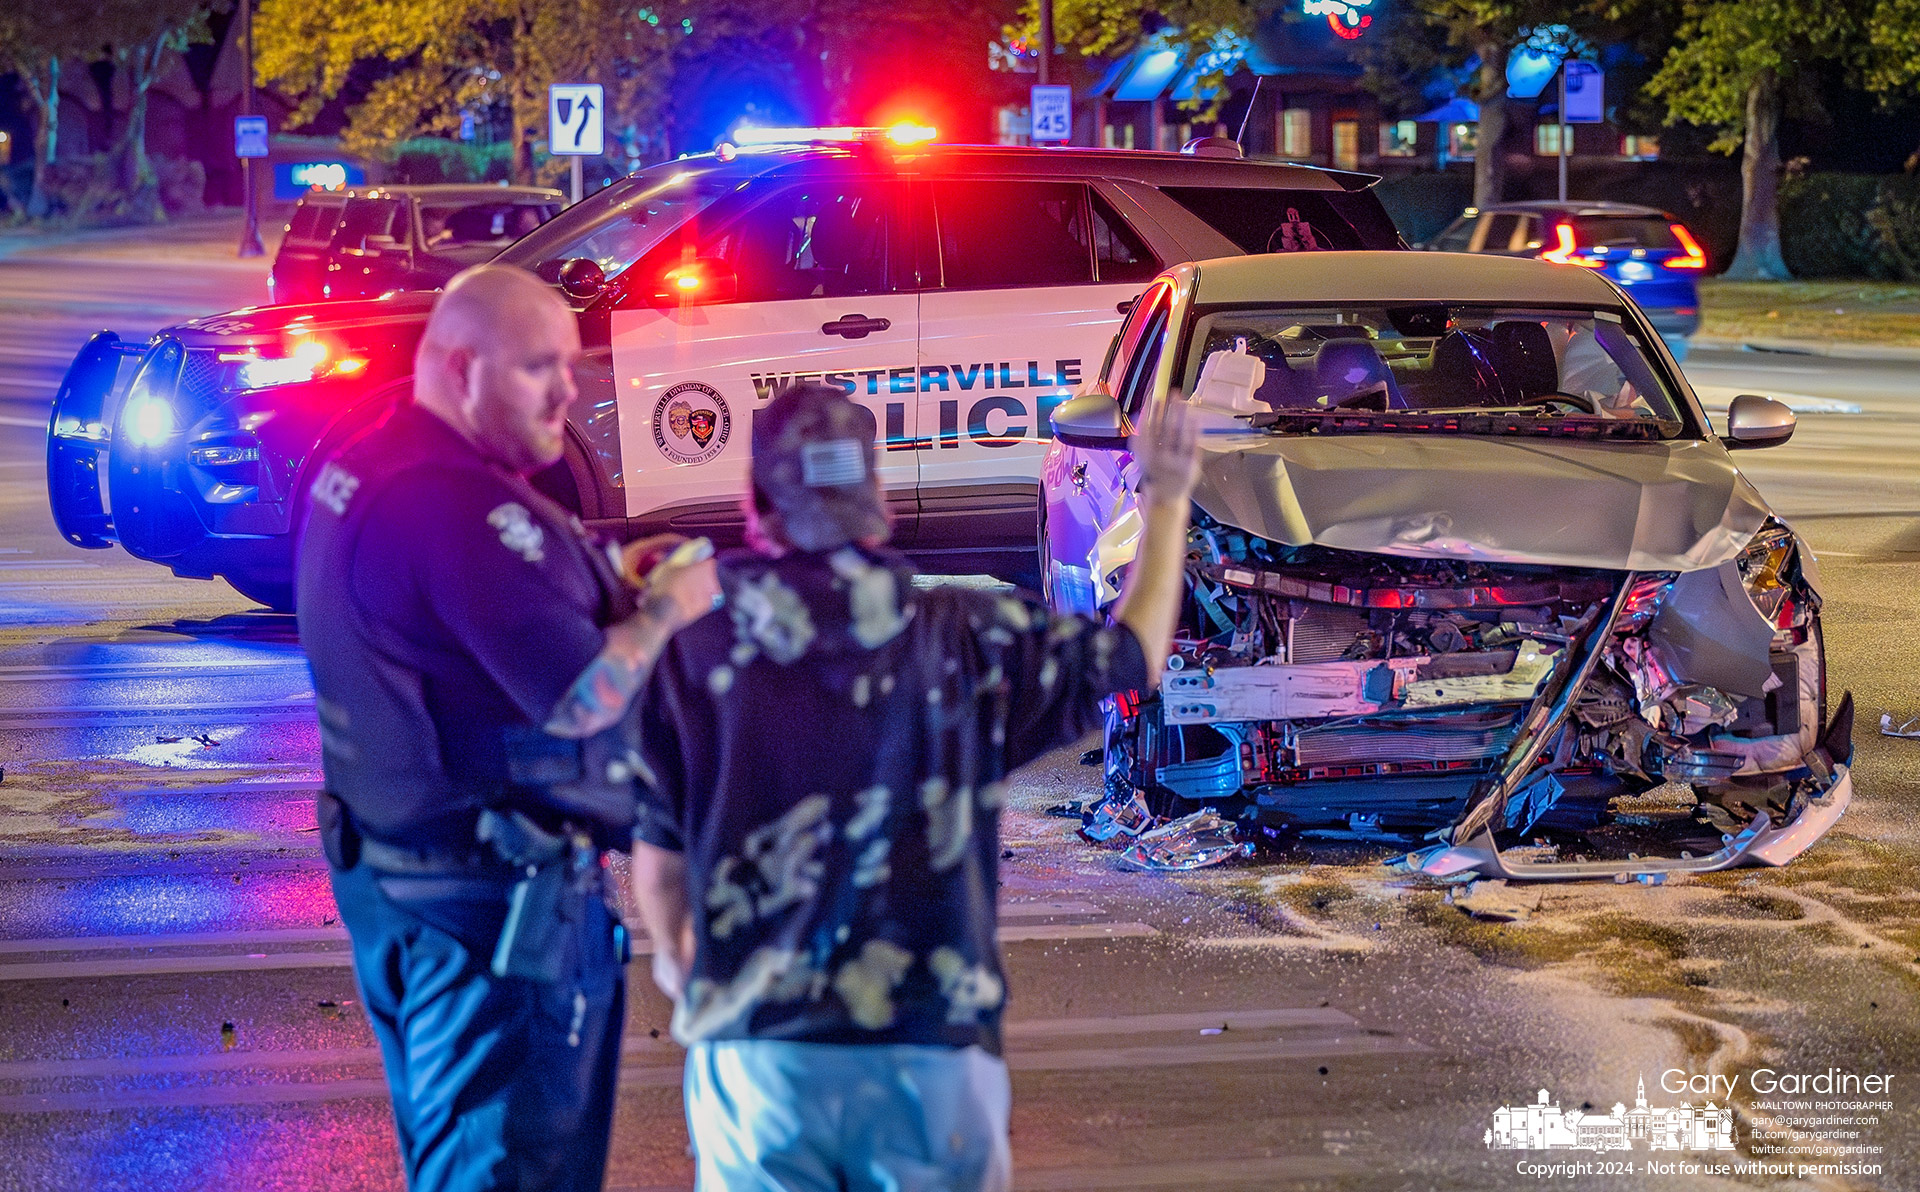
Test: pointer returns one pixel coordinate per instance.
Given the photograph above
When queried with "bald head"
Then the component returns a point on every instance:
(496, 363)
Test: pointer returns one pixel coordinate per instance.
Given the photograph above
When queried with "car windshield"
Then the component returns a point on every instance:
(615, 227)
(498, 222)
(1586, 371)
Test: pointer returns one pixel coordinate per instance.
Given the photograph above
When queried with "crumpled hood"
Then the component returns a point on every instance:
(1670, 506)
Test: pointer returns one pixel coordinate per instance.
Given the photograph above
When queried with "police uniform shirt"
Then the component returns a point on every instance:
(442, 603)
(829, 752)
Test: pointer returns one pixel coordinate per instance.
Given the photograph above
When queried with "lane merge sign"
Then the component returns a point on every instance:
(1052, 109)
(576, 119)
(249, 136)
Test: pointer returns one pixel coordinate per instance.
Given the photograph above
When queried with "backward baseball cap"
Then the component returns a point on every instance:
(813, 462)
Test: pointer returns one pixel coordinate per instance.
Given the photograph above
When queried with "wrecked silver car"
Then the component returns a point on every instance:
(1469, 568)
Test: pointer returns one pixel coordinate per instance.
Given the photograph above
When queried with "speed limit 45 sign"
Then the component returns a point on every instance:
(1052, 109)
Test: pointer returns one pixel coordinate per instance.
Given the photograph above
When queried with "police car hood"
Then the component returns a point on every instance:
(351, 319)
(1679, 505)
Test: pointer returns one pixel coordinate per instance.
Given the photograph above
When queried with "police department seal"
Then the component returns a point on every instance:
(691, 423)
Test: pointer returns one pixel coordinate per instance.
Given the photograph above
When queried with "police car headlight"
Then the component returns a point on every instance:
(147, 420)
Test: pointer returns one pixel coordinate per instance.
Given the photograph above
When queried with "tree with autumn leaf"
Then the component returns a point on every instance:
(445, 56)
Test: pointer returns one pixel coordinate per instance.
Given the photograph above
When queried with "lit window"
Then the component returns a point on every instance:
(1346, 144)
(1118, 137)
(1546, 140)
(1461, 139)
(1639, 147)
(1399, 139)
(1296, 133)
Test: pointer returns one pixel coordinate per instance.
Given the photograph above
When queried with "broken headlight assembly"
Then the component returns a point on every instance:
(1597, 721)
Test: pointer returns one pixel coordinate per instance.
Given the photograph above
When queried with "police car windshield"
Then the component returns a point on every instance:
(615, 227)
(1587, 371)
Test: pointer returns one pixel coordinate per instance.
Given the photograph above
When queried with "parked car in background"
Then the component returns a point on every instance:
(363, 242)
(1652, 255)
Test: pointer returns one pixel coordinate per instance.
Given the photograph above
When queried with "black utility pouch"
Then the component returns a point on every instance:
(547, 907)
(339, 839)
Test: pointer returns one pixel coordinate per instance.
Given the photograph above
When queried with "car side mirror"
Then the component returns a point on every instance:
(582, 279)
(1092, 420)
(701, 281)
(1754, 421)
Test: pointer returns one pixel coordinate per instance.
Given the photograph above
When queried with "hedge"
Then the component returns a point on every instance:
(433, 159)
(1851, 225)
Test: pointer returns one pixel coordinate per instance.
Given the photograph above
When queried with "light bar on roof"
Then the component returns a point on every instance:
(900, 134)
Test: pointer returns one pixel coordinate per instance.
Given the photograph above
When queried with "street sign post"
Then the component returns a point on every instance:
(1582, 101)
(576, 124)
(1052, 109)
(249, 136)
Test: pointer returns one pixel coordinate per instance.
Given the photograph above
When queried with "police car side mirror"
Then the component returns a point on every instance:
(1092, 420)
(581, 279)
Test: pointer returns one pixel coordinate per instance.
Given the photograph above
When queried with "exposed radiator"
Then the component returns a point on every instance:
(1323, 632)
(1432, 741)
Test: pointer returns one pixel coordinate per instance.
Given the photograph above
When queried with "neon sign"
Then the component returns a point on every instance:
(1345, 17)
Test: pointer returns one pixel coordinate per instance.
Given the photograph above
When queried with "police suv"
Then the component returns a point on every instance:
(957, 292)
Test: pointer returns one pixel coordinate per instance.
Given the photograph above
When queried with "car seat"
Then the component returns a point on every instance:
(1347, 371)
(1463, 372)
(1523, 356)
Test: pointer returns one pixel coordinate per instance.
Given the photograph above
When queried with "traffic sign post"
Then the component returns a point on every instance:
(576, 124)
(1052, 109)
(249, 136)
(1582, 101)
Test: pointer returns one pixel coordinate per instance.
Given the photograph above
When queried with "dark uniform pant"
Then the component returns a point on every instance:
(497, 1083)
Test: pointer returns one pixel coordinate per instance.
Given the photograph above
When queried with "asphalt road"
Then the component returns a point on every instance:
(176, 1009)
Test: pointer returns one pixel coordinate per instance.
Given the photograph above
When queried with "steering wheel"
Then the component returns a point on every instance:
(1579, 401)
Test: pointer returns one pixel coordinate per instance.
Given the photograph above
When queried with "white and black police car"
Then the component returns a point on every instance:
(957, 292)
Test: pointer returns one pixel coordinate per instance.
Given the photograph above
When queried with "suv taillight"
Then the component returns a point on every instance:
(1566, 252)
(1694, 258)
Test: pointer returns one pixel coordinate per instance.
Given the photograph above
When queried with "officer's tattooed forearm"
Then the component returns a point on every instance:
(602, 693)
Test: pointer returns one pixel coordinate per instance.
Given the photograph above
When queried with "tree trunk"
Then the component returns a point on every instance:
(1758, 258)
(1489, 162)
(46, 138)
(134, 171)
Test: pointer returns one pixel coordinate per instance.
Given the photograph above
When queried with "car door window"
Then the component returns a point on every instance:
(825, 239)
(364, 218)
(1145, 364)
(1118, 252)
(1498, 235)
(1005, 234)
(1113, 374)
(1531, 234)
(1458, 237)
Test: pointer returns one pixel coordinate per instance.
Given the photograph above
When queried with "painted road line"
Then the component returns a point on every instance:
(239, 962)
(1261, 1171)
(1329, 1033)
(1018, 1033)
(141, 668)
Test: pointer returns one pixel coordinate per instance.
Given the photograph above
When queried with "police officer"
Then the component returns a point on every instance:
(474, 654)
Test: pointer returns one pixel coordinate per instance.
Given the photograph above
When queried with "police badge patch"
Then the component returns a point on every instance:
(691, 423)
(517, 531)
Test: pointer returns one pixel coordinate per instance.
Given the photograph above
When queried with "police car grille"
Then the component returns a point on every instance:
(200, 377)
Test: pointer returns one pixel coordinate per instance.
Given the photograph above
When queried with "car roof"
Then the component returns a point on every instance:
(1575, 207)
(471, 192)
(1395, 277)
(1150, 167)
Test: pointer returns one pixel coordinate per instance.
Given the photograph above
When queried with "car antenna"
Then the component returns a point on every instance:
(1248, 114)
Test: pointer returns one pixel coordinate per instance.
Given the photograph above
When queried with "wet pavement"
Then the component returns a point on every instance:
(177, 1009)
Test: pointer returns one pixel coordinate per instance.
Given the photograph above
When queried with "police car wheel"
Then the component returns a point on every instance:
(276, 594)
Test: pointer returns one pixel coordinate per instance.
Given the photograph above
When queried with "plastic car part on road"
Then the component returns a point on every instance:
(1190, 842)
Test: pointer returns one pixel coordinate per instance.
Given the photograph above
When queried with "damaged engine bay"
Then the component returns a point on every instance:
(1535, 721)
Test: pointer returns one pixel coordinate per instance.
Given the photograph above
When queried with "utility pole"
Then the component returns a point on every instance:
(1046, 39)
(249, 238)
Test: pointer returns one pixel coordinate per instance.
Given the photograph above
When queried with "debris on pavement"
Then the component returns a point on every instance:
(1190, 842)
(1908, 728)
(1071, 809)
(1491, 899)
(1119, 814)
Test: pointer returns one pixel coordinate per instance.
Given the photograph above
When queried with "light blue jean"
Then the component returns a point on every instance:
(772, 1116)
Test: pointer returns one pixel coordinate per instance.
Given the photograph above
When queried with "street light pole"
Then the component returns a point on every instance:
(1563, 131)
(249, 238)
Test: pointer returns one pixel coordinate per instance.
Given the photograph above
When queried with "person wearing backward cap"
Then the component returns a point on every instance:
(817, 844)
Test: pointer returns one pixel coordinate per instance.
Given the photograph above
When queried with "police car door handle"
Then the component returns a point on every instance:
(855, 326)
